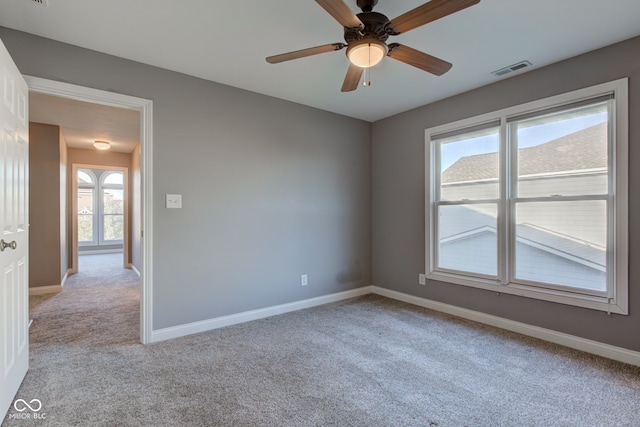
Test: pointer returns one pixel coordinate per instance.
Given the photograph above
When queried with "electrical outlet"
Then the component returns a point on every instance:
(422, 279)
(303, 280)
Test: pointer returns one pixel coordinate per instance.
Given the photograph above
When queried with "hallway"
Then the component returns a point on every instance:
(101, 302)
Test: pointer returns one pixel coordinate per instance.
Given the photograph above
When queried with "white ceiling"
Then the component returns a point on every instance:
(82, 123)
(226, 41)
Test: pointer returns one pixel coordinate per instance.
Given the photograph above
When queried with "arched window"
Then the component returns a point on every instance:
(100, 207)
(86, 207)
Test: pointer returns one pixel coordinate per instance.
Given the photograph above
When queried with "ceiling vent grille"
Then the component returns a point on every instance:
(41, 2)
(511, 68)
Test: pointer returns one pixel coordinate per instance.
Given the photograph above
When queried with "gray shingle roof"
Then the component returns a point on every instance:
(577, 151)
(461, 221)
(568, 245)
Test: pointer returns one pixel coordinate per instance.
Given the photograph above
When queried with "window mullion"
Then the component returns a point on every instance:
(504, 216)
(101, 215)
(467, 202)
(612, 234)
(435, 196)
(559, 198)
(95, 217)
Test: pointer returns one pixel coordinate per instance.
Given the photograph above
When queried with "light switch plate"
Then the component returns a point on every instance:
(174, 201)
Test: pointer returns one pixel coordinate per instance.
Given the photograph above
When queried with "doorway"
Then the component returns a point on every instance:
(144, 107)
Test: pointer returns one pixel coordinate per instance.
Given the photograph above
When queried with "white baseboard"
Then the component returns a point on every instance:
(43, 290)
(247, 316)
(100, 252)
(64, 279)
(53, 289)
(133, 267)
(571, 341)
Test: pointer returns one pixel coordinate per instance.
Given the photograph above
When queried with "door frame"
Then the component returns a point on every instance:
(126, 244)
(145, 108)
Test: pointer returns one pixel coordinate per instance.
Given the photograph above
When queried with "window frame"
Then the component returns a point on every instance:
(615, 300)
(94, 213)
(97, 187)
(107, 186)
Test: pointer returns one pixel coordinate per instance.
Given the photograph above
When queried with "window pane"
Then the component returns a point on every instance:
(85, 228)
(467, 238)
(84, 178)
(470, 165)
(562, 243)
(563, 153)
(113, 227)
(113, 201)
(114, 178)
(85, 215)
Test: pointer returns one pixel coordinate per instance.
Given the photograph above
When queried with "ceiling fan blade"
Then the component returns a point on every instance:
(341, 13)
(304, 52)
(428, 12)
(352, 79)
(418, 59)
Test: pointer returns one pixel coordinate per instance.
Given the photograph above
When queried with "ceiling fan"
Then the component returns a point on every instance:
(366, 34)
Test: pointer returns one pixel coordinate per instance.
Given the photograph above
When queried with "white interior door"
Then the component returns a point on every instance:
(14, 230)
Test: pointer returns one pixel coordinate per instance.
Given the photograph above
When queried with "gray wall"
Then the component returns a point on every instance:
(399, 195)
(44, 196)
(271, 189)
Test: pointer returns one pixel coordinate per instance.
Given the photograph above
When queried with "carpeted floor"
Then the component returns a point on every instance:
(368, 361)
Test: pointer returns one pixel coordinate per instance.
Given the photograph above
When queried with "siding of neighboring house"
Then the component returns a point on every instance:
(475, 254)
(556, 268)
(579, 223)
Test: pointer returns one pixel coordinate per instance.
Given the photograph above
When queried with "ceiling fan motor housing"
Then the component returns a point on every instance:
(374, 28)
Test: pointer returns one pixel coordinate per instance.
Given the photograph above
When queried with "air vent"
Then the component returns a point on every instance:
(511, 68)
(41, 2)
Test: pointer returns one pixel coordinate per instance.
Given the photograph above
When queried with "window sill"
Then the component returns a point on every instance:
(593, 302)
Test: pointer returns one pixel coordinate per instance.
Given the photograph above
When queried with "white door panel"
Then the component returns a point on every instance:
(14, 230)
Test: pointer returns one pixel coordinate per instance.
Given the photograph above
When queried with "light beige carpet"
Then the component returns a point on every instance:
(369, 361)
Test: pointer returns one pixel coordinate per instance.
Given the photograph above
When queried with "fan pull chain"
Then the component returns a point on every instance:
(366, 80)
(367, 74)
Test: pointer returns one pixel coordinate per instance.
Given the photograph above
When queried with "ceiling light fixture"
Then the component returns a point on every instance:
(101, 145)
(367, 53)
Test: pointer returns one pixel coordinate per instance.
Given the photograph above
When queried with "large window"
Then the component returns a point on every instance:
(100, 207)
(532, 200)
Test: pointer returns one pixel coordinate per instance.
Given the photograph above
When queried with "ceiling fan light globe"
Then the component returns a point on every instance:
(367, 53)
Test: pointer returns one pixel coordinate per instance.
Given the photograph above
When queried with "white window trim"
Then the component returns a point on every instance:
(617, 299)
(94, 219)
(98, 202)
(101, 188)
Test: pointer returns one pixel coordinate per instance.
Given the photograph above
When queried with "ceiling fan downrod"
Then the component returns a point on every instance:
(367, 5)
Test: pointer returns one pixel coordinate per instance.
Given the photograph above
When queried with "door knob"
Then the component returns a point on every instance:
(4, 245)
